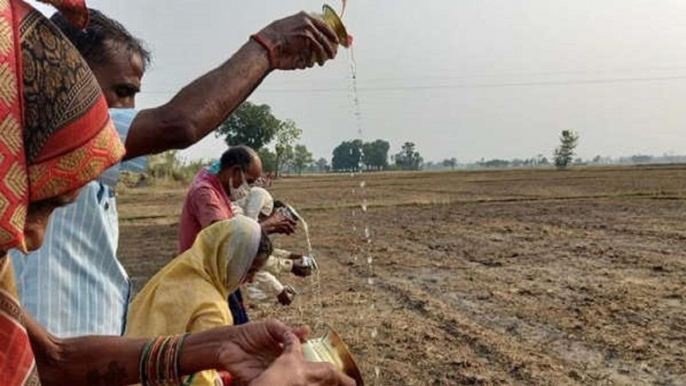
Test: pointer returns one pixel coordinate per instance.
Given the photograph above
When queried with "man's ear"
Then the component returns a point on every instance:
(236, 172)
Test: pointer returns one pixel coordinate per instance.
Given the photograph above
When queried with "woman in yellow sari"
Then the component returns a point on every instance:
(189, 294)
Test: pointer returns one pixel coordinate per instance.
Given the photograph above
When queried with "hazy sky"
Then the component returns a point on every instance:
(460, 78)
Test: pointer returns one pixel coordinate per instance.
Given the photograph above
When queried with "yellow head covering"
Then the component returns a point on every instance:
(190, 293)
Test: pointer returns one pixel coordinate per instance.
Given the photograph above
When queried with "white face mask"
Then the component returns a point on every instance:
(240, 192)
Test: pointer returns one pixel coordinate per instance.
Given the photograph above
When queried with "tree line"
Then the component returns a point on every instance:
(277, 143)
(256, 126)
(275, 140)
(356, 155)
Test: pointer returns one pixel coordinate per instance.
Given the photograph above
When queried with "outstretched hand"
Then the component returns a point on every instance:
(253, 347)
(278, 223)
(286, 296)
(301, 269)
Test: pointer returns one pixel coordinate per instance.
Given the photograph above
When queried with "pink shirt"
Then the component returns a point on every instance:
(205, 203)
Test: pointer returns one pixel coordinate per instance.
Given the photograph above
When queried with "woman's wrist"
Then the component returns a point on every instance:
(202, 351)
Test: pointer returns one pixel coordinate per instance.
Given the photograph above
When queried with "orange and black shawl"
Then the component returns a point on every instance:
(55, 136)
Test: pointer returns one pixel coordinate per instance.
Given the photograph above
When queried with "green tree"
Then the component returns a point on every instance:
(347, 156)
(322, 165)
(376, 154)
(286, 161)
(286, 134)
(408, 158)
(251, 125)
(302, 158)
(564, 154)
(268, 159)
(450, 163)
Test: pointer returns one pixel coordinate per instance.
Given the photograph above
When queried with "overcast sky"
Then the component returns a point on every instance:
(460, 78)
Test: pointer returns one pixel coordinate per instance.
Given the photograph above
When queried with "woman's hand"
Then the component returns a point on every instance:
(269, 353)
(251, 348)
(291, 369)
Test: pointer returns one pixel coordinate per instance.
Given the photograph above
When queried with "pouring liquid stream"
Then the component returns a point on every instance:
(364, 207)
(315, 282)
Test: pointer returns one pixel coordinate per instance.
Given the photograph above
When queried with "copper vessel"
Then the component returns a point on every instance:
(331, 18)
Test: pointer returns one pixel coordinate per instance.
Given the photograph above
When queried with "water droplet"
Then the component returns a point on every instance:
(370, 280)
(377, 371)
(370, 260)
(364, 205)
(375, 332)
(366, 232)
(354, 228)
(363, 184)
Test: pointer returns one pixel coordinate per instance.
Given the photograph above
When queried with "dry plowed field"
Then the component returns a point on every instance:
(514, 277)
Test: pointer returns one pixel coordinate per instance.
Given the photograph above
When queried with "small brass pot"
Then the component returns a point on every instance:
(331, 348)
(330, 17)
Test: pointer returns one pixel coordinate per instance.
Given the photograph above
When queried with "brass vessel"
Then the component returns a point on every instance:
(331, 348)
(331, 18)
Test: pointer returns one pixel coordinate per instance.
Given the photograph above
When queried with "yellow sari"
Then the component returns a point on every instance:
(190, 293)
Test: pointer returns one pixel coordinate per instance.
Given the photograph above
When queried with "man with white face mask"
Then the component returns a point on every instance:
(215, 190)
(211, 198)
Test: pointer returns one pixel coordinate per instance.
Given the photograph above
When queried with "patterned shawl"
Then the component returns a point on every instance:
(55, 136)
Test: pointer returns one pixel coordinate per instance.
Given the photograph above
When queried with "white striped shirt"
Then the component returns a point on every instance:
(74, 285)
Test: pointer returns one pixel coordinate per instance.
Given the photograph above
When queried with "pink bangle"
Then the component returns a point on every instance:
(267, 46)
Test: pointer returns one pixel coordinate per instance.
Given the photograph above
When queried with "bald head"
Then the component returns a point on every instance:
(239, 162)
(241, 156)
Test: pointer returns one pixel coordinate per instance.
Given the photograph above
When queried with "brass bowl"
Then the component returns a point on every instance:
(331, 348)
(330, 17)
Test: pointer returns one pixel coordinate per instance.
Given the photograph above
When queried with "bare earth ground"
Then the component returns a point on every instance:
(498, 278)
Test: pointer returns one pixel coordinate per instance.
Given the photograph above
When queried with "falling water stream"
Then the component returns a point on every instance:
(315, 283)
(366, 249)
(359, 224)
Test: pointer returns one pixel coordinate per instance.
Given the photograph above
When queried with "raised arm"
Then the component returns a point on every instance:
(295, 42)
